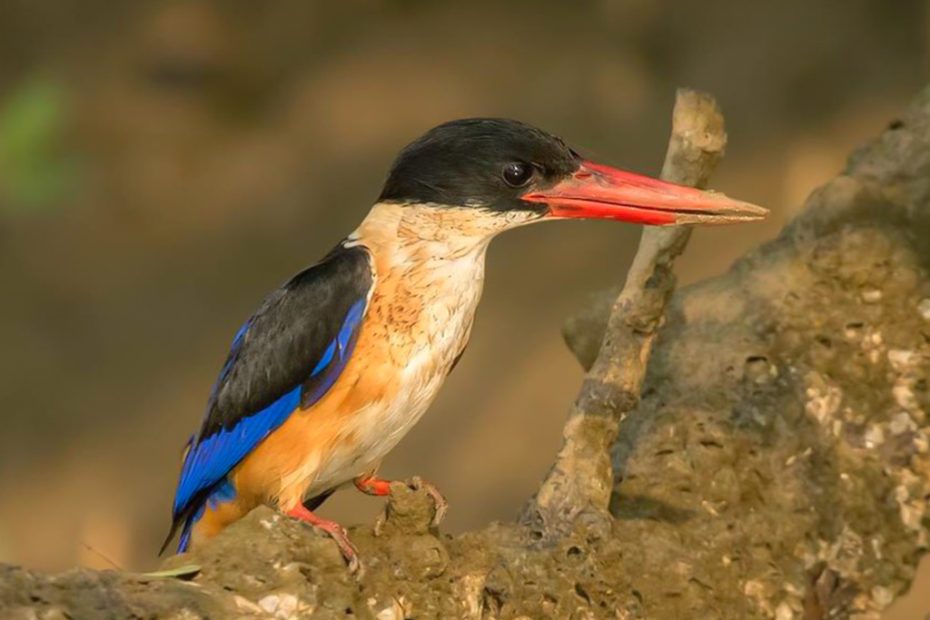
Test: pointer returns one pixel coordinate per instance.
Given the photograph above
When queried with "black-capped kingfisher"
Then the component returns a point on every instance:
(340, 362)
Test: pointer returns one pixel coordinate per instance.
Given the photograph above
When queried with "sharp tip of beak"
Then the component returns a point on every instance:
(731, 212)
(750, 211)
(755, 212)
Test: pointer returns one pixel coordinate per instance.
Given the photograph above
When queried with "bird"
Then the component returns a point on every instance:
(344, 358)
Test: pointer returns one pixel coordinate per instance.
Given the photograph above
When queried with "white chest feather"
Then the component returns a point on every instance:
(447, 294)
(422, 308)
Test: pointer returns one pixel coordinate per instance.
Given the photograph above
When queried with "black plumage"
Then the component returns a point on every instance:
(462, 163)
(287, 336)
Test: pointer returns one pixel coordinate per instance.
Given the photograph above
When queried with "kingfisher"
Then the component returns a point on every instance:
(340, 362)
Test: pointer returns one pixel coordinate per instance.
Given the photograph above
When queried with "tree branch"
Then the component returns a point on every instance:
(580, 481)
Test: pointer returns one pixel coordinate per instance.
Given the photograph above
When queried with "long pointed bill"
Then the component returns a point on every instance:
(595, 191)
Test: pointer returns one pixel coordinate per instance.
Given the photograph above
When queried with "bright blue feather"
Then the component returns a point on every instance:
(184, 540)
(211, 458)
(325, 360)
(222, 492)
(214, 456)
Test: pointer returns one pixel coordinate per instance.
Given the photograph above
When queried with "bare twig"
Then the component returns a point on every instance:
(579, 484)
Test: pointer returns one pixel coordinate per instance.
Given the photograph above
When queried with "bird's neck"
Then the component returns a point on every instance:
(429, 273)
(428, 234)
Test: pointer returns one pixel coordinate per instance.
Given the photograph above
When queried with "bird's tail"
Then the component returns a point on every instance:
(184, 522)
(184, 540)
(184, 517)
(208, 514)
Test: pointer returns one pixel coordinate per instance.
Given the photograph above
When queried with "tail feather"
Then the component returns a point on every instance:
(183, 517)
(183, 522)
(171, 532)
(222, 492)
(184, 540)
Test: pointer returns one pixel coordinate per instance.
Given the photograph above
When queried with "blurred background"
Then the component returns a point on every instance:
(164, 165)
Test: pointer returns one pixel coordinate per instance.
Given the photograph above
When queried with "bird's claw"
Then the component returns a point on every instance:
(355, 567)
(335, 531)
(348, 550)
(440, 505)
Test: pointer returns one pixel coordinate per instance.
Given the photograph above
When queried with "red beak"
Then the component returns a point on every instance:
(595, 191)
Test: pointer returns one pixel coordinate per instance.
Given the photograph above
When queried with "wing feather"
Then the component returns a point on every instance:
(287, 355)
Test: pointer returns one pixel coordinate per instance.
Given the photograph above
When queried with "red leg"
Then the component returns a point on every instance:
(335, 531)
(372, 485)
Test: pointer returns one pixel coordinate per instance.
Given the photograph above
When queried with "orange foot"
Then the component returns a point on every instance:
(372, 485)
(335, 531)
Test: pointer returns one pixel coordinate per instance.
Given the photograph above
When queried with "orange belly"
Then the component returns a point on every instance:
(282, 468)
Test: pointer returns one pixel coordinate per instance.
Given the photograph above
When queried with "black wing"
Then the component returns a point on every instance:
(286, 356)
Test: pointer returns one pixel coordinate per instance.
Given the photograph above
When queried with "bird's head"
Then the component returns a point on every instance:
(497, 174)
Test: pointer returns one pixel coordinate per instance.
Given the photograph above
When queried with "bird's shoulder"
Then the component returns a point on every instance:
(288, 338)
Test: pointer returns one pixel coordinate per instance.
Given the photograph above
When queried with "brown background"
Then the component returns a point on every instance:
(163, 165)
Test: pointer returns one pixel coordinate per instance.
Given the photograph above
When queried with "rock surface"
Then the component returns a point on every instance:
(779, 457)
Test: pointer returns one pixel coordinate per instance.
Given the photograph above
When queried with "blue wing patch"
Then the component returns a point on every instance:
(341, 346)
(222, 492)
(211, 458)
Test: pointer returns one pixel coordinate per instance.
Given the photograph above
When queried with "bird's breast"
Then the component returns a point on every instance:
(418, 321)
(420, 317)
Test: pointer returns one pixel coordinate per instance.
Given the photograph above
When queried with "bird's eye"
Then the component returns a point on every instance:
(517, 174)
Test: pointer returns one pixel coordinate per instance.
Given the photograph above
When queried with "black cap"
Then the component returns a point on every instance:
(479, 162)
